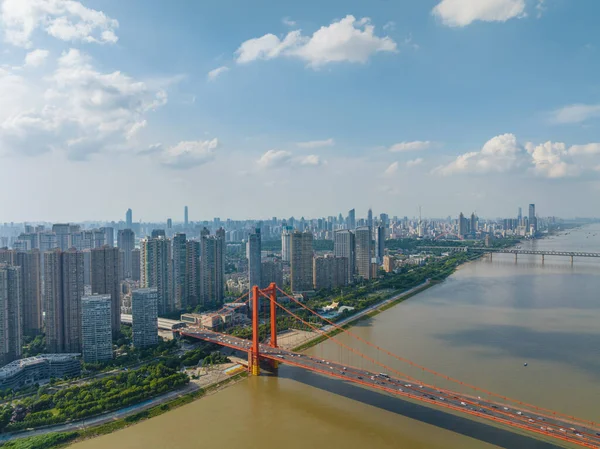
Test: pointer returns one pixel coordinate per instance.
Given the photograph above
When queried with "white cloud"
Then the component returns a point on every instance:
(36, 57)
(67, 20)
(575, 113)
(416, 145)
(189, 154)
(213, 74)
(311, 160)
(390, 26)
(540, 8)
(499, 154)
(504, 154)
(288, 22)
(414, 162)
(348, 40)
(316, 143)
(551, 160)
(460, 13)
(391, 170)
(274, 159)
(588, 149)
(79, 110)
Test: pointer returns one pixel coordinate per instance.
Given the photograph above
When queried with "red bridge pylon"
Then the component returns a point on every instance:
(254, 354)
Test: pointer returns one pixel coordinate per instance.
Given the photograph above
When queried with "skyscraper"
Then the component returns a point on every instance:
(532, 219)
(185, 217)
(192, 273)
(520, 217)
(380, 243)
(156, 271)
(109, 236)
(128, 219)
(135, 264)
(301, 261)
(11, 309)
(106, 280)
(344, 246)
(286, 242)
(473, 224)
(31, 290)
(63, 289)
(96, 341)
(62, 231)
(156, 233)
(351, 220)
(212, 267)
(179, 270)
(330, 272)
(271, 271)
(126, 243)
(370, 218)
(462, 228)
(364, 252)
(144, 313)
(254, 258)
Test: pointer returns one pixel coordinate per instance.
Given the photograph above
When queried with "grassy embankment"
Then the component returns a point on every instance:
(63, 439)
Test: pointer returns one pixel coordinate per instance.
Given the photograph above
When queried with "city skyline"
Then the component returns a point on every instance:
(166, 104)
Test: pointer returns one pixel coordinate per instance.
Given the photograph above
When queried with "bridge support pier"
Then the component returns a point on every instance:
(516, 257)
(491, 256)
(571, 260)
(253, 354)
(542, 259)
(273, 301)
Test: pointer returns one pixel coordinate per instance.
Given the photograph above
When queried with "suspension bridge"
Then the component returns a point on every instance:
(480, 403)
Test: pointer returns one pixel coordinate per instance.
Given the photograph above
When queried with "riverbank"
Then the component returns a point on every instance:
(50, 438)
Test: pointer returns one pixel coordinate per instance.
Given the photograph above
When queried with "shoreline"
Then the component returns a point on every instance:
(144, 412)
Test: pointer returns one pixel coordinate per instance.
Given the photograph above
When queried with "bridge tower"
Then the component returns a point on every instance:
(254, 353)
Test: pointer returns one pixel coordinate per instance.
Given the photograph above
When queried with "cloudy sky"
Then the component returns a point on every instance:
(268, 108)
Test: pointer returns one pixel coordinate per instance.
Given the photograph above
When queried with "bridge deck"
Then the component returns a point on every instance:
(512, 251)
(547, 425)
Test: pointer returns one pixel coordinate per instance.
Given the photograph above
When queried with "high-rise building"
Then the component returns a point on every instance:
(364, 252)
(473, 224)
(62, 231)
(126, 243)
(156, 271)
(96, 328)
(106, 280)
(212, 267)
(135, 264)
(11, 309)
(109, 236)
(532, 219)
(31, 290)
(185, 217)
(389, 264)
(271, 271)
(370, 218)
(301, 261)
(520, 216)
(63, 289)
(254, 258)
(351, 220)
(192, 273)
(344, 246)
(379, 243)
(286, 242)
(179, 270)
(330, 272)
(144, 303)
(128, 219)
(462, 225)
(156, 233)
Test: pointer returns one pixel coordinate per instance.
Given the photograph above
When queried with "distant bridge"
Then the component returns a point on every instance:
(514, 251)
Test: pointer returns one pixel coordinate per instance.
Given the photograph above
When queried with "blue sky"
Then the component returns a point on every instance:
(258, 109)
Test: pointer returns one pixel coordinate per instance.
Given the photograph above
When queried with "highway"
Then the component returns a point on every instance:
(545, 424)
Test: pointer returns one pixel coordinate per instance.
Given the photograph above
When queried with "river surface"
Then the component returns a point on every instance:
(481, 326)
